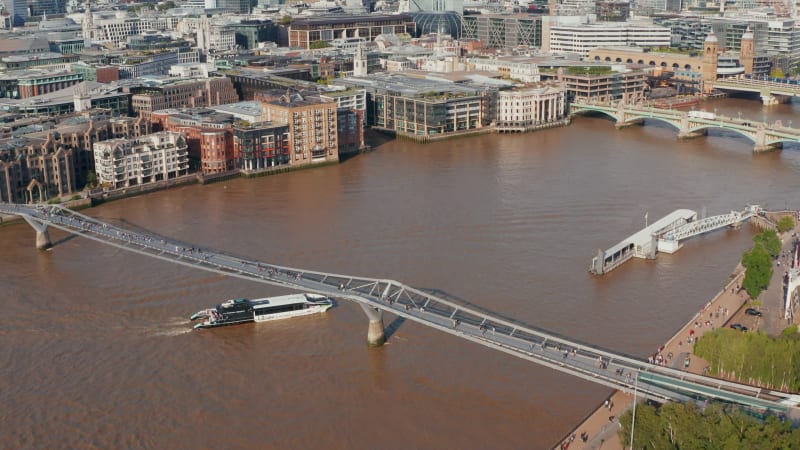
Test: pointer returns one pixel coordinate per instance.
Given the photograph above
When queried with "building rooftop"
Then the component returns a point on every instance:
(249, 108)
(67, 95)
(348, 18)
(22, 45)
(31, 57)
(403, 84)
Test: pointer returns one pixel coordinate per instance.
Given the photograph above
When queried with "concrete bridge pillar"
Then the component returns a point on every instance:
(375, 332)
(769, 100)
(761, 144)
(684, 129)
(692, 134)
(43, 241)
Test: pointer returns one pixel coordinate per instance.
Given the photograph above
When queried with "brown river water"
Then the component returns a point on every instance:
(96, 350)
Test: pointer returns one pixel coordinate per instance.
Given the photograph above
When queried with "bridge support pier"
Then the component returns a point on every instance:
(773, 99)
(43, 241)
(767, 147)
(620, 125)
(692, 134)
(375, 332)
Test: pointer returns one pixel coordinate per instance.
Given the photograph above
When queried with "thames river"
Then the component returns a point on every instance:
(97, 350)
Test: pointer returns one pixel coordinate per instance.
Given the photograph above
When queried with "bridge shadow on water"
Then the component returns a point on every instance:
(391, 329)
(65, 239)
(480, 309)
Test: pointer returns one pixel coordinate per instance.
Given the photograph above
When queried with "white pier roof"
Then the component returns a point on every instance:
(641, 239)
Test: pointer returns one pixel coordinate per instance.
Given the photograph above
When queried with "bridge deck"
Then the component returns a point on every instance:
(585, 361)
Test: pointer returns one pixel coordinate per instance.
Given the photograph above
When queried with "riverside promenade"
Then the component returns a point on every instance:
(602, 427)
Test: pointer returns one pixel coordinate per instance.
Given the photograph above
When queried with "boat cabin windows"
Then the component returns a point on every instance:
(280, 309)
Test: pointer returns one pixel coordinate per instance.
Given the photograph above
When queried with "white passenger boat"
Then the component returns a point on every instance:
(242, 310)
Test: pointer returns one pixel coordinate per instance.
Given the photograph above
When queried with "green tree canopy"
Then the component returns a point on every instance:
(770, 241)
(91, 179)
(285, 20)
(785, 224)
(165, 6)
(759, 270)
(318, 44)
(755, 358)
(684, 426)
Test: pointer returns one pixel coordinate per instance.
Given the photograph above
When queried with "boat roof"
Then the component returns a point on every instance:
(285, 300)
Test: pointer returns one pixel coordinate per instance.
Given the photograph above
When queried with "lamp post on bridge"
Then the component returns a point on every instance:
(633, 415)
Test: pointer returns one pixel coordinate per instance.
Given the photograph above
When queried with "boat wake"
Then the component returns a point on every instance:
(174, 327)
(174, 332)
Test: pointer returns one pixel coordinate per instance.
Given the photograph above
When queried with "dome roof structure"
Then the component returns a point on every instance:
(446, 22)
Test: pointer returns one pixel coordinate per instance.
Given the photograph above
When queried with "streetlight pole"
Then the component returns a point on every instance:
(633, 415)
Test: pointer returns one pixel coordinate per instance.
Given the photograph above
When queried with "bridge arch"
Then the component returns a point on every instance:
(585, 111)
(596, 58)
(715, 127)
(780, 140)
(634, 119)
(619, 60)
(629, 61)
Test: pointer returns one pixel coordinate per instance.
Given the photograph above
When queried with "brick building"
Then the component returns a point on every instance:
(312, 125)
(35, 167)
(168, 93)
(303, 32)
(209, 136)
(146, 159)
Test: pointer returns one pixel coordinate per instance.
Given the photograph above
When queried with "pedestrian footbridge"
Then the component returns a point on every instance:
(376, 295)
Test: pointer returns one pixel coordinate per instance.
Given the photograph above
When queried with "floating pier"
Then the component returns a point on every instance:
(666, 235)
(642, 244)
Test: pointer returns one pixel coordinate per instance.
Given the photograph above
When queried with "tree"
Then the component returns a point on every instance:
(683, 425)
(318, 44)
(91, 179)
(285, 20)
(759, 270)
(165, 6)
(777, 73)
(770, 241)
(785, 224)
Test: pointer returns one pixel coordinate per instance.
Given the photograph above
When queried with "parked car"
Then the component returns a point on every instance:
(738, 326)
(752, 312)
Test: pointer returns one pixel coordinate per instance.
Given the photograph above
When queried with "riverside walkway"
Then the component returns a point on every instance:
(582, 360)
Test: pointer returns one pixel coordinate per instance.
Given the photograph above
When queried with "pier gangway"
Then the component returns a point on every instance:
(376, 295)
(670, 240)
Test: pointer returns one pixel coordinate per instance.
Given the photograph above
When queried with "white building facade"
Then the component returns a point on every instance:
(155, 157)
(515, 68)
(581, 39)
(531, 108)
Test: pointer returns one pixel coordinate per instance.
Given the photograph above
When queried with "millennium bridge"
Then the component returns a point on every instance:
(691, 125)
(376, 296)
